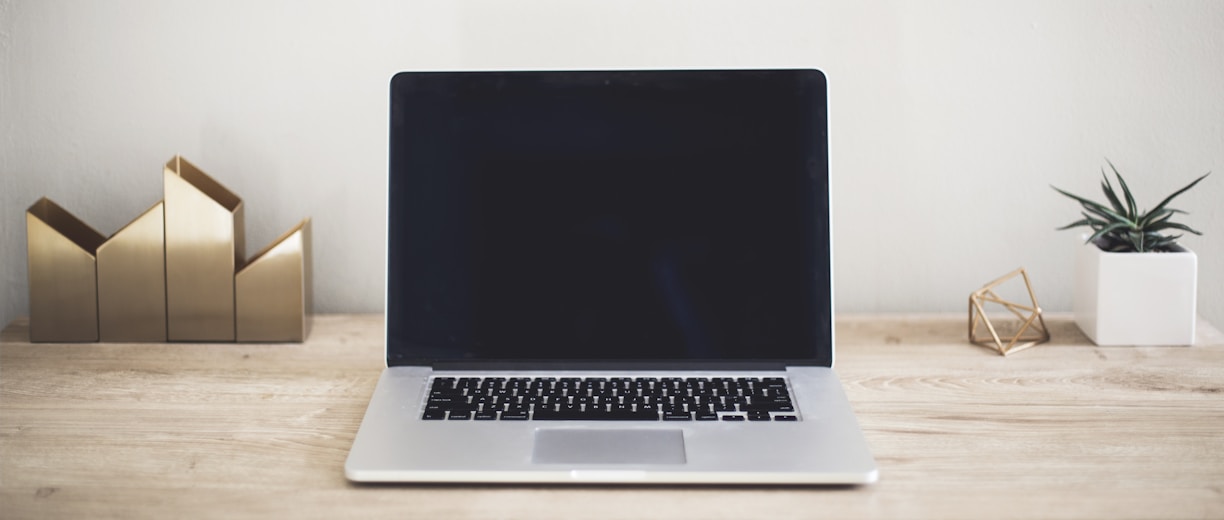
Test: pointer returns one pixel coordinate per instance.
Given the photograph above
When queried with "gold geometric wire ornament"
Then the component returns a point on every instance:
(1021, 327)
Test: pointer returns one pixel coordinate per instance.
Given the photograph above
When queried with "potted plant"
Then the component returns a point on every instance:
(1134, 285)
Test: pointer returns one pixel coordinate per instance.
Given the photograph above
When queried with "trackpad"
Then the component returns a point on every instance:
(575, 446)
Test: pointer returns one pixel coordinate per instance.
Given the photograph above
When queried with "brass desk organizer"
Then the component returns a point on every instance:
(175, 273)
(273, 290)
(132, 281)
(63, 274)
(1021, 327)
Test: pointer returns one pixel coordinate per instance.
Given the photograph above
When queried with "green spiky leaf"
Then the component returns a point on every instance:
(1168, 199)
(1130, 200)
(1109, 193)
(1108, 229)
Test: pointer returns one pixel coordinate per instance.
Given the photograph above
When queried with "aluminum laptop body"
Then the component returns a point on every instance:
(569, 252)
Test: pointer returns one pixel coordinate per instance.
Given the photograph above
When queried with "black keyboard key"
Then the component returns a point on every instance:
(447, 400)
(677, 416)
(459, 415)
(767, 407)
(732, 417)
(462, 407)
(787, 418)
(758, 416)
(434, 415)
(545, 414)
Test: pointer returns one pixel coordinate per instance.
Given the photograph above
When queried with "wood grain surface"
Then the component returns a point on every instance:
(1062, 430)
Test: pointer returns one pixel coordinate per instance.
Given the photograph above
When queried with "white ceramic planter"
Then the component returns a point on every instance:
(1136, 298)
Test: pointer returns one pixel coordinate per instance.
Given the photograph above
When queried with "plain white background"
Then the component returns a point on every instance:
(948, 119)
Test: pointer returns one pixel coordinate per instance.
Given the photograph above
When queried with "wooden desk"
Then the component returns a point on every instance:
(231, 431)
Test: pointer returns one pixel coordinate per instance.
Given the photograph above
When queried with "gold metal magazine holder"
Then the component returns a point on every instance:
(175, 273)
(1021, 327)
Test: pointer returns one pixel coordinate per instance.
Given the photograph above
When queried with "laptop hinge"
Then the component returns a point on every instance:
(604, 366)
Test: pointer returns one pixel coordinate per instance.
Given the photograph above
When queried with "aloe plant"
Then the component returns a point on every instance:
(1121, 227)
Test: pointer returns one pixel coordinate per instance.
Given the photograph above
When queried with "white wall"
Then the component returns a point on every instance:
(948, 119)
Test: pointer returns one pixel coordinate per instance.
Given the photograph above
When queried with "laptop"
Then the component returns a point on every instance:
(609, 277)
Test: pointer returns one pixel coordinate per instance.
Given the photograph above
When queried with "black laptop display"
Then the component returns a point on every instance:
(601, 216)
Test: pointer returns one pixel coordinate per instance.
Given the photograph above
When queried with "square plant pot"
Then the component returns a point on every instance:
(1141, 299)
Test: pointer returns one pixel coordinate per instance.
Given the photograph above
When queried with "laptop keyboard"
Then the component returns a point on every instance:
(609, 399)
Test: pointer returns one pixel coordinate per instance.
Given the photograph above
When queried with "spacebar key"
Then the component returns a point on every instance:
(576, 415)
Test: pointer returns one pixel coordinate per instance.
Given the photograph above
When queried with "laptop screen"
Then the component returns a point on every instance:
(656, 217)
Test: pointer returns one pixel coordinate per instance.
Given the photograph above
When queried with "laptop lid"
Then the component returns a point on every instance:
(636, 219)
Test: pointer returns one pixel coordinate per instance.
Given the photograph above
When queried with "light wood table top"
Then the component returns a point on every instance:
(1062, 430)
